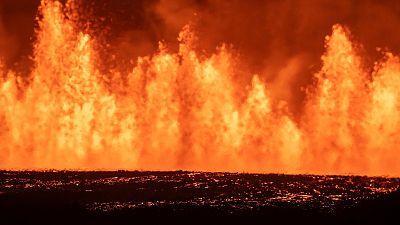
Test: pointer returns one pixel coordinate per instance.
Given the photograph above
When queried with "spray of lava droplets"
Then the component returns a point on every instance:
(182, 111)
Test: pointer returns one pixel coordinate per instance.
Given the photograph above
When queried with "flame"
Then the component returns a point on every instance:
(184, 111)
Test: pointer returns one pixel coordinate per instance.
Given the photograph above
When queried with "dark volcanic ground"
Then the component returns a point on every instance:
(66, 197)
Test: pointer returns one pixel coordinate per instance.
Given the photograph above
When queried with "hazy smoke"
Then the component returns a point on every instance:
(282, 41)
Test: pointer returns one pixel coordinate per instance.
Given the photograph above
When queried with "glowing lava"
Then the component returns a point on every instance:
(184, 111)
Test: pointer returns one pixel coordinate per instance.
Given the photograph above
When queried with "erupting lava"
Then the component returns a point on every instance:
(184, 111)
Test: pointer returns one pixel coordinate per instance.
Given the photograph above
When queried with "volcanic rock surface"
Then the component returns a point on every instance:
(125, 197)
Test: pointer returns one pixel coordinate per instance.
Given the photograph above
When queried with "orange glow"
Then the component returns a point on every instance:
(185, 111)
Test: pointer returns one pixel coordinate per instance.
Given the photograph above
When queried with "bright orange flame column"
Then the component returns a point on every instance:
(183, 111)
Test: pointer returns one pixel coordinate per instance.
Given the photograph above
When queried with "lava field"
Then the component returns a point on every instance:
(127, 197)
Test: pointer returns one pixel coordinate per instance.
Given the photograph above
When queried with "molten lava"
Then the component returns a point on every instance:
(184, 111)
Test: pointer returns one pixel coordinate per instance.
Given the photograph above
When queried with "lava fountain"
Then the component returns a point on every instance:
(184, 110)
